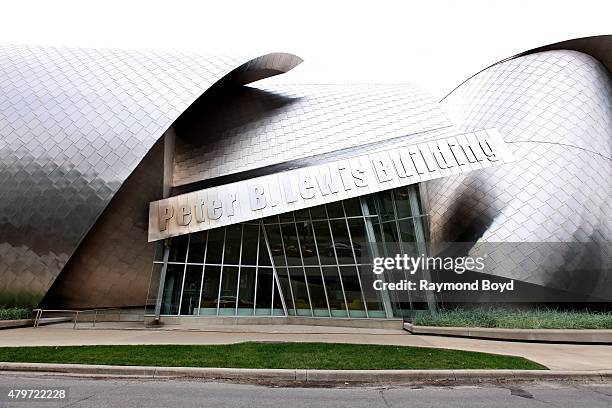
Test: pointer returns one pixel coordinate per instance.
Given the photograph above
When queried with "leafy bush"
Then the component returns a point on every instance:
(518, 319)
(15, 313)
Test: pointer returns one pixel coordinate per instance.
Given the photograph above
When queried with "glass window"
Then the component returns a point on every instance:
(390, 232)
(191, 290)
(249, 244)
(319, 261)
(246, 291)
(286, 217)
(369, 202)
(352, 207)
(317, 291)
(285, 284)
(335, 294)
(277, 304)
(407, 230)
(292, 249)
(359, 235)
(385, 205)
(374, 222)
(402, 202)
(334, 210)
(263, 299)
(214, 251)
(342, 243)
(324, 243)
(318, 212)
(264, 254)
(300, 292)
(227, 298)
(276, 244)
(178, 248)
(372, 296)
(302, 215)
(197, 243)
(414, 190)
(210, 290)
(271, 220)
(159, 251)
(172, 289)
(307, 243)
(352, 291)
(233, 237)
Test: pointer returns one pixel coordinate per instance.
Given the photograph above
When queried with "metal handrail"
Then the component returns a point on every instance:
(99, 309)
(39, 313)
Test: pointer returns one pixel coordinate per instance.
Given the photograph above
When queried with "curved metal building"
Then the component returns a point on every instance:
(554, 107)
(75, 124)
(133, 178)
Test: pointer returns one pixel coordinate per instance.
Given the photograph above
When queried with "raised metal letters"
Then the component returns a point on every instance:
(184, 215)
(383, 170)
(327, 182)
(166, 212)
(308, 186)
(215, 208)
(257, 198)
(200, 210)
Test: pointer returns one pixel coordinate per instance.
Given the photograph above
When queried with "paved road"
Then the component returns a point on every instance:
(180, 393)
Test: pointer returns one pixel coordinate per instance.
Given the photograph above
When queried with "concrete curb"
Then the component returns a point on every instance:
(303, 375)
(9, 324)
(580, 336)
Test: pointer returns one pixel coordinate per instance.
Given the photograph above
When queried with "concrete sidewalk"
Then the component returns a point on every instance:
(554, 356)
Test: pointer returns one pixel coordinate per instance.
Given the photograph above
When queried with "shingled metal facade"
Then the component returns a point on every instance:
(554, 108)
(88, 138)
(74, 124)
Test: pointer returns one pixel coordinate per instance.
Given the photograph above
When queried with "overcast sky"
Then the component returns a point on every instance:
(435, 44)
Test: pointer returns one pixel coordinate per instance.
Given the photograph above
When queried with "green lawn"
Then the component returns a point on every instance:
(518, 319)
(269, 355)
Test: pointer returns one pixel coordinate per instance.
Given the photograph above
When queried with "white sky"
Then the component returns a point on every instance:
(435, 44)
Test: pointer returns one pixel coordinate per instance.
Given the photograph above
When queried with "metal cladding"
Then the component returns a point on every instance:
(326, 182)
(79, 161)
(554, 110)
(255, 128)
(286, 138)
(74, 124)
(112, 264)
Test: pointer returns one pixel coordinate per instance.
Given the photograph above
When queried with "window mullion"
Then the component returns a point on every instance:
(221, 273)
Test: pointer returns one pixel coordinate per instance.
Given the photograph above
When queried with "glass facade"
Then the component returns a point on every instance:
(315, 262)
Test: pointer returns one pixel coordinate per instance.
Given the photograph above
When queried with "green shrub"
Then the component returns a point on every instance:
(518, 319)
(15, 313)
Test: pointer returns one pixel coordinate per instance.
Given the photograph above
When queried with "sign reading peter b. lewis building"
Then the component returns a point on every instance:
(323, 183)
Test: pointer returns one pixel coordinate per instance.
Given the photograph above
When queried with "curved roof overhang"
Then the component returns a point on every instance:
(74, 124)
(599, 47)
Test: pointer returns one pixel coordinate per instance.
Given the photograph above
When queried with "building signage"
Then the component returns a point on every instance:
(333, 181)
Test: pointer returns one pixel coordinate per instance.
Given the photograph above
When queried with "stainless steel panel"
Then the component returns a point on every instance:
(112, 265)
(554, 109)
(306, 187)
(253, 128)
(74, 123)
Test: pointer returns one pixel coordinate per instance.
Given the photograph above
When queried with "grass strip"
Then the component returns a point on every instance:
(518, 319)
(270, 355)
